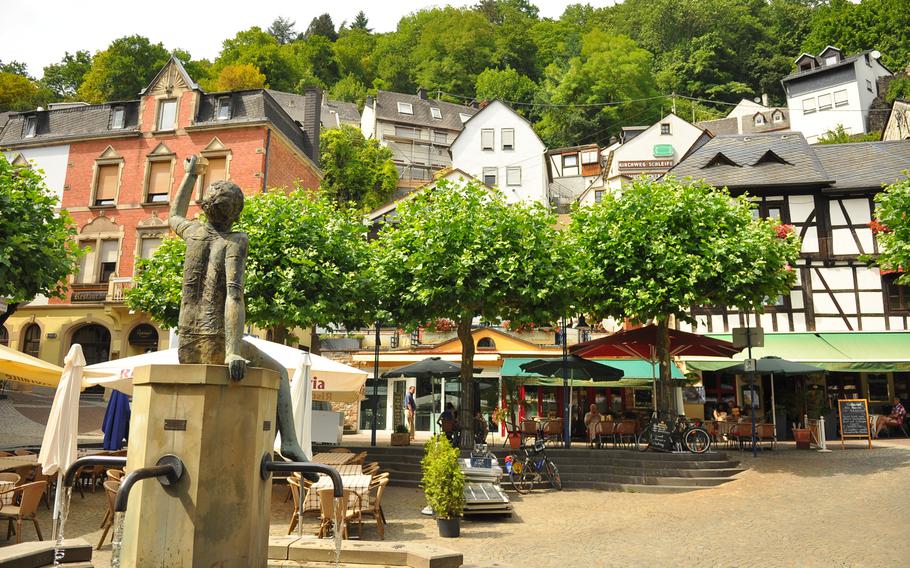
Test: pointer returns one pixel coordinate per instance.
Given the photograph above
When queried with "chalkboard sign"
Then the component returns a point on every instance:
(854, 419)
(661, 437)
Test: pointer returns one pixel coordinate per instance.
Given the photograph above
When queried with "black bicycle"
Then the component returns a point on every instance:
(532, 467)
(674, 436)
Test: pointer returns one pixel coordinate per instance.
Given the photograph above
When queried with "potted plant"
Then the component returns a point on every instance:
(401, 436)
(443, 485)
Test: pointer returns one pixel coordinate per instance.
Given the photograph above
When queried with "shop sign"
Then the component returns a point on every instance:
(663, 150)
(748, 337)
(636, 165)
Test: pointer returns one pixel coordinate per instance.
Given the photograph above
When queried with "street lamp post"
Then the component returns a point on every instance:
(567, 436)
(375, 401)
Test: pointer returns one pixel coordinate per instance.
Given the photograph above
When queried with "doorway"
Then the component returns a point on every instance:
(95, 341)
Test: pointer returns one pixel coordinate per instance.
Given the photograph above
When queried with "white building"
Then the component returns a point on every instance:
(831, 90)
(572, 170)
(648, 152)
(749, 117)
(500, 148)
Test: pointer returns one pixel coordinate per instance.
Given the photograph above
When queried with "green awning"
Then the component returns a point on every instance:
(869, 351)
(636, 372)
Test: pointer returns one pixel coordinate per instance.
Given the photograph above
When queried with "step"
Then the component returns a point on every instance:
(664, 472)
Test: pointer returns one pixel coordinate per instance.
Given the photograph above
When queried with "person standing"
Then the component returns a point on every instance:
(410, 406)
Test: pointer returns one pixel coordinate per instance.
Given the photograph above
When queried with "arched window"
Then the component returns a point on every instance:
(95, 341)
(4, 337)
(759, 119)
(31, 340)
(486, 343)
(778, 116)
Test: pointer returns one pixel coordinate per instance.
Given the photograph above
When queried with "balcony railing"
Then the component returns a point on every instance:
(116, 287)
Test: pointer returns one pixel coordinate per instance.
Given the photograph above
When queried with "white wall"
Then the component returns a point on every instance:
(368, 122)
(52, 160)
(528, 153)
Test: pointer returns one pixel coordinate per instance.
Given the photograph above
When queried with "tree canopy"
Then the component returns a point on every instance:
(306, 266)
(660, 248)
(37, 246)
(459, 252)
(892, 228)
(356, 169)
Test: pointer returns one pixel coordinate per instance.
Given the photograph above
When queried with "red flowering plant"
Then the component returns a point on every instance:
(783, 231)
(519, 327)
(440, 325)
(891, 228)
(878, 227)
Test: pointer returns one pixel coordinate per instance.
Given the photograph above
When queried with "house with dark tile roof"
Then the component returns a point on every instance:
(115, 167)
(418, 130)
(334, 114)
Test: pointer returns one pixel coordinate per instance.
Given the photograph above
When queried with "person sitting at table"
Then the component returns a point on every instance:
(893, 420)
(592, 423)
(735, 413)
(448, 422)
(720, 412)
(480, 428)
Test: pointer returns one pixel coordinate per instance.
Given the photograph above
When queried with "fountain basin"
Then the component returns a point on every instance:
(41, 553)
(291, 551)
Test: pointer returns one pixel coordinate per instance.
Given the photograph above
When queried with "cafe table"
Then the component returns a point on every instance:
(358, 483)
(333, 458)
(13, 462)
(7, 498)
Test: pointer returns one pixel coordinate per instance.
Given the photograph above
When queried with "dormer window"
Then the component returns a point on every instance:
(435, 113)
(117, 118)
(806, 66)
(831, 60)
(405, 108)
(665, 128)
(777, 117)
(720, 159)
(464, 117)
(167, 114)
(31, 126)
(759, 119)
(223, 111)
(770, 157)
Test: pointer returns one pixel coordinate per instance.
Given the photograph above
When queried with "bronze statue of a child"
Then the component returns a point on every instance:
(212, 312)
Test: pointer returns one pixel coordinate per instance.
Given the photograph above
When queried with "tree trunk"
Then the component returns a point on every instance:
(279, 333)
(10, 310)
(315, 346)
(665, 392)
(466, 412)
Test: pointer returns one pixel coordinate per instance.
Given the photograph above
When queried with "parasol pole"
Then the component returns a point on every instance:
(375, 388)
(566, 393)
(751, 384)
(773, 408)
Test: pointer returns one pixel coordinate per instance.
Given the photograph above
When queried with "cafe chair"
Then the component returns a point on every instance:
(552, 431)
(374, 506)
(26, 510)
(340, 451)
(110, 491)
(529, 429)
(327, 508)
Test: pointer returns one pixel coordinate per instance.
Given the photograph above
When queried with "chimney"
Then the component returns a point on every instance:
(422, 93)
(764, 99)
(312, 119)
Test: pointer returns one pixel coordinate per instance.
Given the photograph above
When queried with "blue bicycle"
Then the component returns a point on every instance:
(524, 471)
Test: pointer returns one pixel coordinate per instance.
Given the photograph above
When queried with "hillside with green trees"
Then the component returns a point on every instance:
(578, 78)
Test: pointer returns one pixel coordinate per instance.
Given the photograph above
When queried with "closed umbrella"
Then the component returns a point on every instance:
(58, 448)
(116, 423)
(301, 405)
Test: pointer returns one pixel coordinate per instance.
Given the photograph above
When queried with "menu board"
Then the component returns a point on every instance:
(661, 438)
(854, 419)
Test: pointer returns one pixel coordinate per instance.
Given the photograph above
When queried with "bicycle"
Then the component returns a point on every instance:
(680, 435)
(525, 471)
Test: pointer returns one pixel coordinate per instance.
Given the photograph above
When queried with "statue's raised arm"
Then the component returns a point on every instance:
(181, 203)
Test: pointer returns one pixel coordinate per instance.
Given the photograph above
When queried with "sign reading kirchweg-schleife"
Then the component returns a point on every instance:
(854, 419)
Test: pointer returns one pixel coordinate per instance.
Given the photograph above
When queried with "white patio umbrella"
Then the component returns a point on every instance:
(301, 400)
(58, 448)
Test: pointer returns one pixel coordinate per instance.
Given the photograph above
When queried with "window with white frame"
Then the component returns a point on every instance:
(513, 175)
(508, 138)
(405, 108)
(118, 116)
(777, 117)
(809, 105)
(869, 85)
(435, 113)
(107, 181)
(223, 111)
(665, 128)
(31, 126)
(167, 114)
(489, 176)
(406, 132)
(569, 165)
(831, 60)
(216, 170)
(158, 180)
(824, 102)
(99, 262)
(440, 137)
(759, 119)
(598, 196)
(589, 157)
(840, 98)
(486, 139)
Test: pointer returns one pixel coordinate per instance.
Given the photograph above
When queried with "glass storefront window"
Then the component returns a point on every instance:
(366, 407)
(878, 388)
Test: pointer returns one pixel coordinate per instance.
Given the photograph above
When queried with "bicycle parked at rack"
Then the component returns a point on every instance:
(532, 467)
(674, 436)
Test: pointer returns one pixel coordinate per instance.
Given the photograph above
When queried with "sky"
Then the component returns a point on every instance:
(41, 32)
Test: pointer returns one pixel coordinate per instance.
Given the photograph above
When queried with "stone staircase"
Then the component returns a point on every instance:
(606, 469)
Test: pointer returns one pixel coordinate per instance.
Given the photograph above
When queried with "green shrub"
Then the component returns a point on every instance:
(443, 480)
(402, 429)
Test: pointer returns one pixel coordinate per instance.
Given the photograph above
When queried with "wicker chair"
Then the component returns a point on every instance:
(374, 506)
(340, 451)
(353, 512)
(22, 452)
(110, 490)
(26, 509)
(552, 431)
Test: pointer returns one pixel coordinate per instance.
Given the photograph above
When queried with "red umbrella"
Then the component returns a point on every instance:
(641, 343)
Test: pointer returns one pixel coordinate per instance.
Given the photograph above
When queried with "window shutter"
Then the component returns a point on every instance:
(216, 171)
(486, 139)
(159, 180)
(109, 251)
(148, 247)
(86, 272)
(508, 139)
(107, 184)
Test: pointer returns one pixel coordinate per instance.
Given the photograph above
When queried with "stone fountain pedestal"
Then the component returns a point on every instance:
(218, 513)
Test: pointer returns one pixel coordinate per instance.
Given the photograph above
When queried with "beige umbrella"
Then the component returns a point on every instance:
(22, 368)
(58, 448)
